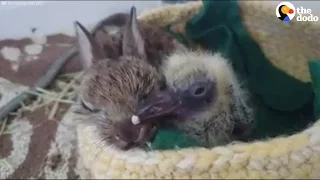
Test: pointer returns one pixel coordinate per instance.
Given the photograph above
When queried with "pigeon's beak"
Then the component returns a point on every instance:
(157, 105)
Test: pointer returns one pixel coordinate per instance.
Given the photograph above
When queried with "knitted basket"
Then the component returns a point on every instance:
(295, 156)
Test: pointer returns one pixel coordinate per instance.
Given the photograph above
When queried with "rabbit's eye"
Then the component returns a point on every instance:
(88, 106)
(144, 96)
(117, 137)
(162, 83)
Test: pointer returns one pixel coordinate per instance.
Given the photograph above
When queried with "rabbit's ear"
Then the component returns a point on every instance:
(89, 49)
(133, 43)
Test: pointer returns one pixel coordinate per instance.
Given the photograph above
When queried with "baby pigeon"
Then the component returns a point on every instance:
(206, 99)
(112, 88)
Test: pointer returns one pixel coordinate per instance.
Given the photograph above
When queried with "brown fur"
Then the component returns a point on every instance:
(116, 88)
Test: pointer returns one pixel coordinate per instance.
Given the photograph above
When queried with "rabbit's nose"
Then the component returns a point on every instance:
(132, 133)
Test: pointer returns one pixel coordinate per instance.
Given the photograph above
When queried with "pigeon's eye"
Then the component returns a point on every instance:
(88, 106)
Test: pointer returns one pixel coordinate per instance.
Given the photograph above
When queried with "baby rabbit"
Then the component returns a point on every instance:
(158, 43)
(109, 33)
(205, 96)
(112, 88)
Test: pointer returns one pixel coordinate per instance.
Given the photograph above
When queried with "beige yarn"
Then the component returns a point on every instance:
(296, 156)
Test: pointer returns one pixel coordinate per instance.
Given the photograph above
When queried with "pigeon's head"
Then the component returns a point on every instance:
(194, 83)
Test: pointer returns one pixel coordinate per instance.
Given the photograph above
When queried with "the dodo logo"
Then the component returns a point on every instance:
(285, 11)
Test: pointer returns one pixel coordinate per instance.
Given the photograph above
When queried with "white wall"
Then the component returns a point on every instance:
(57, 16)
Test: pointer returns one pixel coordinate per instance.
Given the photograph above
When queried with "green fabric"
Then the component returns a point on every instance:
(314, 68)
(171, 138)
(283, 104)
